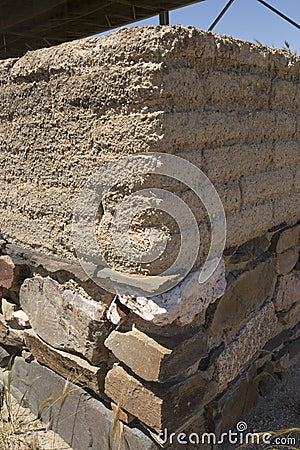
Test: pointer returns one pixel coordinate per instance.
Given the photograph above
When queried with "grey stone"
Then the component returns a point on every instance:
(84, 422)
(71, 367)
(49, 263)
(287, 292)
(58, 268)
(10, 336)
(157, 358)
(160, 405)
(8, 308)
(286, 261)
(182, 303)
(4, 357)
(250, 250)
(252, 338)
(245, 294)
(283, 240)
(64, 319)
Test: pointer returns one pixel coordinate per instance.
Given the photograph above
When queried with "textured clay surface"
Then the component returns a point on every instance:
(229, 107)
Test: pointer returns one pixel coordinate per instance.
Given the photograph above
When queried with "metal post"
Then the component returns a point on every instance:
(220, 15)
(280, 14)
(164, 18)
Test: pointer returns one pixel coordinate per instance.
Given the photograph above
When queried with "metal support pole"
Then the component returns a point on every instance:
(164, 18)
(280, 14)
(220, 15)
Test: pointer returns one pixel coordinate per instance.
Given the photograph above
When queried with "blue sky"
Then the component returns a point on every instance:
(245, 19)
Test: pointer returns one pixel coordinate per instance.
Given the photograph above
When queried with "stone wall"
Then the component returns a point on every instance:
(232, 109)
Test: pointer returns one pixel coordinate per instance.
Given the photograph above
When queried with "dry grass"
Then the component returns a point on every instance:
(117, 432)
(20, 429)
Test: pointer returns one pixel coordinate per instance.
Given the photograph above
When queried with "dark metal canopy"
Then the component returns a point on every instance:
(31, 24)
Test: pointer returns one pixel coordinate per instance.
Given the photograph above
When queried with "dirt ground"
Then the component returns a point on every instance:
(20, 430)
(278, 409)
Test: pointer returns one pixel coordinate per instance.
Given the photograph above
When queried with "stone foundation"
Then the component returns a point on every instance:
(195, 358)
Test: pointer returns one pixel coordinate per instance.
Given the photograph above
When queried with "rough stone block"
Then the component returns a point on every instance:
(286, 239)
(8, 308)
(4, 357)
(243, 297)
(227, 409)
(157, 358)
(284, 96)
(7, 270)
(286, 261)
(159, 406)
(240, 159)
(12, 272)
(258, 217)
(83, 422)
(10, 336)
(64, 319)
(182, 303)
(287, 291)
(238, 257)
(236, 131)
(291, 317)
(252, 338)
(228, 91)
(71, 367)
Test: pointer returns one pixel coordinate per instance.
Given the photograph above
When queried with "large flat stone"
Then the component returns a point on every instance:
(290, 237)
(71, 367)
(291, 317)
(227, 409)
(157, 358)
(287, 291)
(83, 422)
(58, 268)
(247, 252)
(182, 303)
(64, 319)
(157, 405)
(243, 297)
(252, 338)
(286, 261)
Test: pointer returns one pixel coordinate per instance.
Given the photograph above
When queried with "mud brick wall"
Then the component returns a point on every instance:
(232, 109)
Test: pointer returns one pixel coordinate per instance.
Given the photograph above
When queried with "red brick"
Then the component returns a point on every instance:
(7, 269)
(122, 415)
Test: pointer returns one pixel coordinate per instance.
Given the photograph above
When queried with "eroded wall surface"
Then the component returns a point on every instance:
(230, 107)
(193, 358)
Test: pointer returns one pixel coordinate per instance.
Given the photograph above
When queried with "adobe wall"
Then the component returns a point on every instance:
(230, 107)
(181, 359)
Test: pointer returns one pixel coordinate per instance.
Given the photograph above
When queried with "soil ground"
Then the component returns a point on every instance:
(278, 409)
